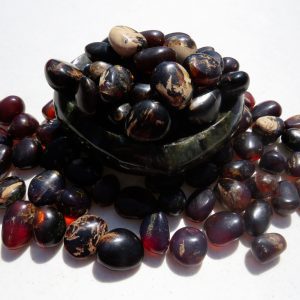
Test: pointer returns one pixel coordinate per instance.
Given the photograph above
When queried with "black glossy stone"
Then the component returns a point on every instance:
(83, 235)
(139, 92)
(248, 146)
(268, 247)
(115, 84)
(44, 186)
(234, 83)
(155, 233)
(249, 100)
(23, 125)
(163, 183)
(182, 44)
(87, 97)
(238, 170)
(147, 59)
(5, 158)
(294, 164)
(230, 65)
(106, 190)
(81, 62)
(204, 108)
(62, 76)
(83, 171)
(5, 138)
(73, 201)
(27, 153)
(224, 227)
(188, 246)
(101, 51)
(147, 121)
(118, 114)
(96, 69)
(203, 69)
(154, 37)
(257, 217)
(233, 194)
(172, 202)
(12, 189)
(287, 198)
(173, 83)
(135, 202)
(224, 155)
(245, 121)
(268, 128)
(266, 108)
(200, 204)
(273, 161)
(202, 176)
(49, 131)
(48, 226)
(205, 48)
(292, 122)
(120, 249)
(291, 138)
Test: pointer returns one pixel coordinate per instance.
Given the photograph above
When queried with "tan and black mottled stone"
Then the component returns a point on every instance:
(173, 83)
(83, 235)
(182, 44)
(126, 41)
(12, 189)
(203, 69)
(115, 84)
(147, 121)
(96, 69)
(268, 246)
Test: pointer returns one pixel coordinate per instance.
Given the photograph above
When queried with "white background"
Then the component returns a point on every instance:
(262, 35)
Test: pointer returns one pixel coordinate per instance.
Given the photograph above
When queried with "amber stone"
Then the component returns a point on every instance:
(268, 128)
(17, 224)
(49, 131)
(268, 246)
(96, 69)
(224, 227)
(257, 217)
(294, 164)
(147, 121)
(266, 184)
(249, 100)
(115, 84)
(10, 107)
(233, 194)
(12, 188)
(83, 235)
(238, 169)
(248, 146)
(44, 186)
(48, 110)
(245, 121)
(139, 92)
(135, 202)
(120, 249)
(62, 76)
(146, 60)
(5, 158)
(287, 198)
(173, 83)
(273, 161)
(154, 37)
(266, 108)
(48, 226)
(101, 51)
(203, 69)
(200, 204)
(230, 65)
(291, 138)
(23, 125)
(163, 183)
(234, 83)
(188, 246)
(155, 233)
(292, 122)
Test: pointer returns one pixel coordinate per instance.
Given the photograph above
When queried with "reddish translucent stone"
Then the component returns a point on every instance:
(249, 100)
(49, 111)
(266, 184)
(17, 224)
(245, 121)
(10, 107)
(23, 125)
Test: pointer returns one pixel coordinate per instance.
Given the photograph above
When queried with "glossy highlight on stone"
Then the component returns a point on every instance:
(188, 246)
(230, 65)
(291, 138)
(154, 37)
(273, 162)
(266, 108)
(96, 69)
(155, 233)
(12, 188)
(17, 224)
(83, 235)
(234, 83)
(238, 170)
(48, 110)
(120, 249)
(49, 131)
(249, 100)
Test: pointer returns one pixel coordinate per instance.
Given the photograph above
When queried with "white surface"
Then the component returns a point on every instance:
(262, 35)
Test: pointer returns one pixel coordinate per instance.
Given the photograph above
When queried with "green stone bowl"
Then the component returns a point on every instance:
(120, 152)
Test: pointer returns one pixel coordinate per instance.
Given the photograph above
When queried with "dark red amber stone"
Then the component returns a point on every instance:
(17, 224)
(249, 100)
(10, 107)
(48, 110)
(266, 108)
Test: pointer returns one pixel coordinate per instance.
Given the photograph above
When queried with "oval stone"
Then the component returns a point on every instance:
(238, 170)
(292, 122)
(266, 108)
(154, 37)
(291, 138)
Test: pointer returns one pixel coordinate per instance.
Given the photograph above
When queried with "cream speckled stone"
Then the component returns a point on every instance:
(126, 41)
